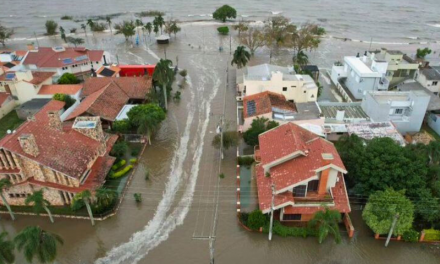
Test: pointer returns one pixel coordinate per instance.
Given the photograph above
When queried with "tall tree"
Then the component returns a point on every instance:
(149, 28)
(84, 198)
(156, 28)
(109, 22)
(39, 203)
(253, 39)
(91, 24)
(159, 21)
(146, 118)
(84, 27)
(5, 34)
(63, 34)
(38, 243)
(383, 206)
(307, 37)
(326, 222)
(105, 198)
(164, 75)
(301, 59)
(241, 57)
(224, 12)
(241, 27)
(278, 33)
(258, 126)
(127, 28)
(75, 41)
(6, 250)
(5, 184)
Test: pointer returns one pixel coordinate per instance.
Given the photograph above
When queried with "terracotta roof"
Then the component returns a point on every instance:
(286, 140)
(40, 77)
(46, 57)
(265, 102)
(3, 97)
(106, 103)
(70, 89)
(133, 87)
(66, 151)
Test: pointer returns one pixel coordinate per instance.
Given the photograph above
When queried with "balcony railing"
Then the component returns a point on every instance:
(315, 198)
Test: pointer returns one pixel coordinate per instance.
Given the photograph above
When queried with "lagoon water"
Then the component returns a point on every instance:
(386, 21)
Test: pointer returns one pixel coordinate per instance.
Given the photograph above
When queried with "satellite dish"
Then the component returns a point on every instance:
(13, 132)
(9, 131)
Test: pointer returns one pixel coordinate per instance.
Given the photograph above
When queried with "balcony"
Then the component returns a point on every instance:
(313, 197)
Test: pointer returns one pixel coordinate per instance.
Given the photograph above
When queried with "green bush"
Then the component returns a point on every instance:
(122, 172)
(431, 235)
(121, 126)
(244, 218)
(68, 78)
(147, 174)
(135, 151)
(137, 197)
(118, 165)
(285, 231)
(119, 149)
(256, 220)
(221, 175)
(245, 161)
(133, 161)
(223, 30)
(64, 98)
(411, 235)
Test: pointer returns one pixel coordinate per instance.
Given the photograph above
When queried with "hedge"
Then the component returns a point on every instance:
(122, 172)
(411, 236)
(285, 231)
(245, 161)
(132, 161)
(431, 235)
(119, 165)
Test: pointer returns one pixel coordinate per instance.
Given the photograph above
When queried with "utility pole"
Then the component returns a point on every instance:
(391, 230)
(117, 59)
(271, 211)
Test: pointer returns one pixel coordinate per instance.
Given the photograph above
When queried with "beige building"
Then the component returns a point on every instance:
(7, 104)
(282, 80)
(24, 85)
(61, 159)
(429, 78)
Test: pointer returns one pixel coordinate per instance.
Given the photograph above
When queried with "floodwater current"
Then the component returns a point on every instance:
(179, 199)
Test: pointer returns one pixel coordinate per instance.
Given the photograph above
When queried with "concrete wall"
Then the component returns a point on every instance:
(358, 85)
(7, 107)
(430, 85)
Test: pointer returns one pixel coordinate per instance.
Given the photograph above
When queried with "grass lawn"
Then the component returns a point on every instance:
(9, 121)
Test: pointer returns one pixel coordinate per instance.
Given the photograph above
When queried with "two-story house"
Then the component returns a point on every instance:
(406, 110)
(282, 80)
(62, 159)
(429, 78)
(304, 170)
(60, 60)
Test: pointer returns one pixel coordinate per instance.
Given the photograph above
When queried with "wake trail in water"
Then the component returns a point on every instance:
(139, 239)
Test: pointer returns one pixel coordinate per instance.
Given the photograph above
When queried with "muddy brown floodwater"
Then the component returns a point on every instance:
(179, 199)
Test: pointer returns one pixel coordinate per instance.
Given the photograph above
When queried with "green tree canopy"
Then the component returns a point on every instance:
(382, 207)
(146, 118)
(164, 76)
(51, 27)
(224, 12)
(126, 28)
(230, 139)
(422, 53)
(241, 57)
(5, 34)
(38, 243)
(259, 125)
(119, 149)
(68, 78)
(256, 220)
(6, 249)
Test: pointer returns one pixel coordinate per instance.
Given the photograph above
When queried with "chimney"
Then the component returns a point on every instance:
(29, 144)
(55, 120)
(358, 55)
(365, 57)
(322, 188)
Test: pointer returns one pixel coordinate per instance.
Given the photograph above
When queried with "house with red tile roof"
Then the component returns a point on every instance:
(24, 85)
(49, 90)
(60, 158)
(274, 106)
(78, 61)
(304, 169)
(106, 97)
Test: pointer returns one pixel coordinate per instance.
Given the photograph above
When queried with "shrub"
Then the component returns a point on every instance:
(137, 197)
(221, 175)
(69, 101)
(147, 174)
(431, 235)
(121, 126)
(51, 27)
(223, 30)
(118, 165)
(256, 220)
(244, 218)
(73, 30)
(99, 27)
(245, 161)
(150, 13)
(122, 172)
(66, 17)
(135, 151)
(411, 235)
(68, 78)
(119, 149)
(133, 161)
(285, 231)
(183, 73)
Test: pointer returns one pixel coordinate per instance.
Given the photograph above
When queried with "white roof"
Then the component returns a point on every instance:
(123, 113)
(361, 68)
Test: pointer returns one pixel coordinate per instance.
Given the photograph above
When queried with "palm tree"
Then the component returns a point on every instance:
(109, 22)
(159, 21)
(149, 28)
(164, 75)
(4, 184)
(301, 58)
(155, 28)
(37, 199)
(241, 57)
(36, 242)
(138, 23)
(86, 198)
(83, 26)
(6, 250)
(105, 197)
(91, 24)
(327, 222)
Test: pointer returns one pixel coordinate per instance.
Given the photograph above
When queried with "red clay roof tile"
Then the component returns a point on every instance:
(265, 101)
(46, 57)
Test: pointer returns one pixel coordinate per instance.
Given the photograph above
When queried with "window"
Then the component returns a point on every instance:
(291, 101)
(293, 86)
(292, 217)
(300, 191)
(305, 91)
(398, 111)
(284, 89)
(435, 83)
(312, 186)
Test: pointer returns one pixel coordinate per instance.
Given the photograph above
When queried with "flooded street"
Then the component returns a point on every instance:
(178, 200)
